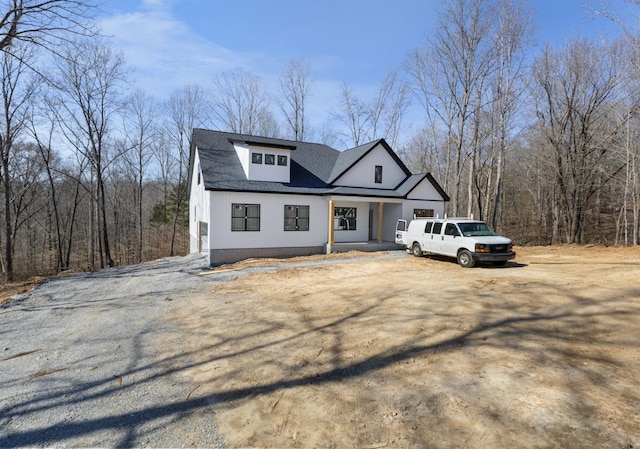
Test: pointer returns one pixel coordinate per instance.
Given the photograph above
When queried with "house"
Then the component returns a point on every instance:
(254, 196)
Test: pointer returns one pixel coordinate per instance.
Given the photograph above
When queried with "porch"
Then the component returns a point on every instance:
(358, 224)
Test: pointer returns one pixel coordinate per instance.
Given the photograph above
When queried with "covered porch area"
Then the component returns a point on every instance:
(362, 224)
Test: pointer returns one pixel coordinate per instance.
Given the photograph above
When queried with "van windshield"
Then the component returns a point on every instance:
(475, 229)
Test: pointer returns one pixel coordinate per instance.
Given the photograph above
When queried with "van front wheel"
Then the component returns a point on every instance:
(416, 250)
(465, 259)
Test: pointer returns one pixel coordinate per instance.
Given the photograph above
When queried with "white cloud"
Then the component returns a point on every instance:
(164, 52)
(153, 3)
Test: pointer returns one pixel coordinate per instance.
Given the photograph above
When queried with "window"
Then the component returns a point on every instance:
(451, 229)
(245, 217)
(198, 173)
(427, 227)
(378, 176)
(437, 227)
(269, 159)
(282, 160)
(296, 218)
(344, 218)
(256, 158)
(423, 213)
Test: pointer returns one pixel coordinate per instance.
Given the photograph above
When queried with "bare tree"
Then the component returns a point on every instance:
(450, 74)
(512, 35)
(187, 108)
(389, 107)
(631, 189)
(295, 89)
(241, 104)
(89, 84)
(140, 128)
(43, 23)
(17, 92)
(380, 117)
(576, 93)
(354, 116)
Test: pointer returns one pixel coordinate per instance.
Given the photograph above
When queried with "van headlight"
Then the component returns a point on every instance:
(482, 248)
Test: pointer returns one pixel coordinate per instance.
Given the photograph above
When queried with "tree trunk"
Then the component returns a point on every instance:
(8, 244)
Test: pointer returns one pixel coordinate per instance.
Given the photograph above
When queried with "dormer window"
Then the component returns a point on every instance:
(378, 174)
(263, 161)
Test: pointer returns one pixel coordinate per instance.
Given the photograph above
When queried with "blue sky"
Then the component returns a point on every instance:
(170, 43)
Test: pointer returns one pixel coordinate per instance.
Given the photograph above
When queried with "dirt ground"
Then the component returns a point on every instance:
(419, 352)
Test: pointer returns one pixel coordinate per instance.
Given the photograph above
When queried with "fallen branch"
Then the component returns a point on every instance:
(21, 354)
(42, 373)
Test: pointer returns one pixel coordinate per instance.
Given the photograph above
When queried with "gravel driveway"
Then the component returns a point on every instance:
(80, 363)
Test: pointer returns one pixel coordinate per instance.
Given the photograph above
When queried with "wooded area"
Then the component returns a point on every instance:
(541, 143)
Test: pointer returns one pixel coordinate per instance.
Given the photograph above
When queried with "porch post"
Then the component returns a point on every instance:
(380, 206)
(330, 237)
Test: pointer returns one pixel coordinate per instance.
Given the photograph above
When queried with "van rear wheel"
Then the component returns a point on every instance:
(465, 259)
(416, 250)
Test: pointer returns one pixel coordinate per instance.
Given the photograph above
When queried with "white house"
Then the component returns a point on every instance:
(255, 196)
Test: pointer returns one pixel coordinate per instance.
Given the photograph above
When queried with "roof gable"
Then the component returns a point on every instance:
(349, 158)
(423, 186)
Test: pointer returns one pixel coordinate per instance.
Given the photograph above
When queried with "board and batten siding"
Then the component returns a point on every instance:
(409, 206)
(425, 191)
(272, 233)
(423, 196)
(198, 205)
(363, 173)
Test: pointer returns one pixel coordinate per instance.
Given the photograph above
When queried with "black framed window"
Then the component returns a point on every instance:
(296, 218)
(256, 158)
(245, 217)
(423, 213)
(282, 160)
(269, 159)
(345, 218)
(378, 175)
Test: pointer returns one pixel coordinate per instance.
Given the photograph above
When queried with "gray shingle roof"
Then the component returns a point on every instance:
(313, 167)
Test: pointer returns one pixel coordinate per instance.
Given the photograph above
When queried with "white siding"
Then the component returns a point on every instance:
(361, 233)
(409, 206)
(363, 173)
(272, 233)
(198, 205)
(264, 171)
(242, 150)
(390, 215)
(424, 191)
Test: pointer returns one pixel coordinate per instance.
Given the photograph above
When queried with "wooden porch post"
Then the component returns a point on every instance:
(380, 207)
(330, 237)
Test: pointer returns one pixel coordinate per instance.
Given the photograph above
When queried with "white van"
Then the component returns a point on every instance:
(469, 241)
